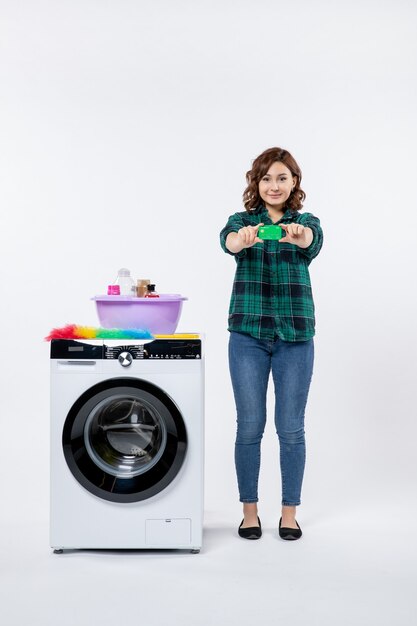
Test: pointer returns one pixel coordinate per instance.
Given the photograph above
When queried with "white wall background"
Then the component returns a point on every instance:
(126, 131)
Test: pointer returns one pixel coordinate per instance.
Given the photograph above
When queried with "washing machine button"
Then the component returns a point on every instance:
(125, 359)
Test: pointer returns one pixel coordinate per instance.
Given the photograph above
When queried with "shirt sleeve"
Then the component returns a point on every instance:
(313, 222)
(234, 223)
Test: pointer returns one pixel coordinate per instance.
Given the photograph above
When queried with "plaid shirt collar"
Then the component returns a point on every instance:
(263, 212)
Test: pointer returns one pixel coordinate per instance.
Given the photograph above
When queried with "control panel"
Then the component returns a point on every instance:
(158, 349)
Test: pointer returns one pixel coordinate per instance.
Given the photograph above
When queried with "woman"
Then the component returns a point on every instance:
(271, 324)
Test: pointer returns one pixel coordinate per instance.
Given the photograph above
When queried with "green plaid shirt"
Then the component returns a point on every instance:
(271, 294)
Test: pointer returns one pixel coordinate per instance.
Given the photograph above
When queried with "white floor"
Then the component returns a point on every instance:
(345, 570)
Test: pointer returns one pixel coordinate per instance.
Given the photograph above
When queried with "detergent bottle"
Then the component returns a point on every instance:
(125, 282)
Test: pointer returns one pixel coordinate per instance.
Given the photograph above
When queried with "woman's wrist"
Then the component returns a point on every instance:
(308, 238)
(234, 243)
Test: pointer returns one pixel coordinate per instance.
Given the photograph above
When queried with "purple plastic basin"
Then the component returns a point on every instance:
(158, 315)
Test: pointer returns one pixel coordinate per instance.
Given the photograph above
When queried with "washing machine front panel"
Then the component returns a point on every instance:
(86, 516)
(124, 440)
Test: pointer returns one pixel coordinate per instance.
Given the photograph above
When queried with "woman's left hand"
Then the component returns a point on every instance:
(301, 236)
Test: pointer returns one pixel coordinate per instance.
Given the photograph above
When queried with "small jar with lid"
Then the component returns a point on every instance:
(141, 287)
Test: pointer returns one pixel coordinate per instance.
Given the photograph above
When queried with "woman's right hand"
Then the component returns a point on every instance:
(243, 238)
(248, 235)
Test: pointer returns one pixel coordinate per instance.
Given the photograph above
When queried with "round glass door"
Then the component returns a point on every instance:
(125, 435)
(124, 440)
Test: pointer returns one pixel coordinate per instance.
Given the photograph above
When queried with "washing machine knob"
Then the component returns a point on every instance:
(125, 359)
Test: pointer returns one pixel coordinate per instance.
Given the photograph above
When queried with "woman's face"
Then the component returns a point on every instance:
(275, 187)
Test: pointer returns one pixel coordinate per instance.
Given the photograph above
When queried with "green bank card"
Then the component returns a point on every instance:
(270, 232)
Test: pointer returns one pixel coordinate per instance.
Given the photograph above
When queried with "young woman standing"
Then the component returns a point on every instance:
(271, 324)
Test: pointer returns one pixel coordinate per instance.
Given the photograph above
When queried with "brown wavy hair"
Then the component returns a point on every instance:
(260, 166)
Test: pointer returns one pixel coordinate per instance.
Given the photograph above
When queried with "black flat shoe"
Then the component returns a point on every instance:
(252, 532)
(289, 533)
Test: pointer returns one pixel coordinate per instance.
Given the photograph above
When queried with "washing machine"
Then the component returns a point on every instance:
(127, 436)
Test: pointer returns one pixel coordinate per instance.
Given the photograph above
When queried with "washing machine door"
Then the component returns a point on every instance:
(124, 440)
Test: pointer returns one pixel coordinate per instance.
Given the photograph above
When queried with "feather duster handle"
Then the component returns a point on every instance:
(73, 331)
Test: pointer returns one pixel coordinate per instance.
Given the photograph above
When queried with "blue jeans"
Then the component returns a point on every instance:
(251, 361)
